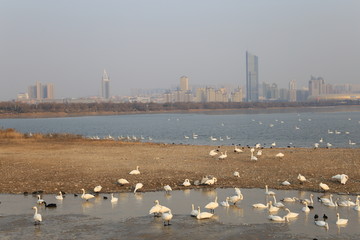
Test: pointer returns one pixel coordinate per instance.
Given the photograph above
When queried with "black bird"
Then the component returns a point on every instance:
(75, 195)
(105, 197)
(325, 217)
(50, 205)
(316, 217)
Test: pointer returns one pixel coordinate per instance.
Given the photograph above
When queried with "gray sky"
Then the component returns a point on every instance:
(152, 43)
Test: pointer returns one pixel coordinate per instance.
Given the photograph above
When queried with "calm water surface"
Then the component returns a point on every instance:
(286, 129)
(129, 218)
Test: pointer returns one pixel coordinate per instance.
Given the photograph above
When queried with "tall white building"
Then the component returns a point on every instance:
(292, 91)
(105, 86)
(184, 83)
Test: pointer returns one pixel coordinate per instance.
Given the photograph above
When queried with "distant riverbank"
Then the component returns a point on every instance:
(254, 110)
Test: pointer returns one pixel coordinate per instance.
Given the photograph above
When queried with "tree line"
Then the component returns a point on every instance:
(18, 107)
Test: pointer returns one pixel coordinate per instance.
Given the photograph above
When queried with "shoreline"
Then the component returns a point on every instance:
(51, 165)
(338, 108)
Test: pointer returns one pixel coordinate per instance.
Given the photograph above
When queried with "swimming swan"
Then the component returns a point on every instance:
(341, 221)
(86, 196)
(193, 212)
(291, 214)
(60, 196)
(113, 199)
(203, 215)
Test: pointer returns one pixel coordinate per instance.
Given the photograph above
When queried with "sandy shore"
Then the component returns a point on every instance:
(28, 165)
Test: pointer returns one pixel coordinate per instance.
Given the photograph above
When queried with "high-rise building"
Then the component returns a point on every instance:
(316, 86)
(41, 91)
(48, 91)
(252, 78)
(105, 86)
(184, 83)
(292, 91)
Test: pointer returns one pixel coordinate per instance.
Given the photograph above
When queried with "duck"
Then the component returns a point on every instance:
(122, 181)
(167, 216)
(97, 189)
(86, 196)
(212, 205)
(167, 189)
(60, 196)
(203, 215)
(138, 186)
(135, 171)
(186, 183)
(37, 216)
(267, 192)
(193, 212)
(291, 214)
(324, 186)
(113, 199)
(225, 203)
(341, 221)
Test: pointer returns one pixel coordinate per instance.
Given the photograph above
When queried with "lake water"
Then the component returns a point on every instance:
(286, 129)
(129, 218)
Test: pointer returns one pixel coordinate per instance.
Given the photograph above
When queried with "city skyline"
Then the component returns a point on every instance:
(150, 44)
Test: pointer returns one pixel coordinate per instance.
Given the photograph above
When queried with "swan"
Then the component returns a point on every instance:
(86, 196)
(285, 183)
(258, 145)
(278, 218)
(308, 201)
(324, 186)
(60, 196)
(278, 204)
(289, 199)
(155, 209)
(357, 207)
(238, 150)
(331, 203)
(253, 158)
(212, 138)
(234, 199)
(342, 178)
(97, 189)
(316, 145)
(351, 143)
(260, 205)
(328, 145)
(259, 153)
(346, 203)
(212, 205)
(135, 172)
(306, 208)
(267, 192)
(193, 212)
(37, 216)
(236, 174)
(167, 216)
(223, 155)
(280, 155)
(321, 223)
(272, 208)
(301, 178)
(211, 181)
(225, 203)
(167, 188)
(138, 186)
(203, 215)
(113, 199)
(291, 214)
(341, 221)
(325, 200)
(321, 140)
(273, 144)
(40, 200)
(186, 183)
(213, 152)
(122, 181)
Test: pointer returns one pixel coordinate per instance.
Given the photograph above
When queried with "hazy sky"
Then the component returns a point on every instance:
(152, 43)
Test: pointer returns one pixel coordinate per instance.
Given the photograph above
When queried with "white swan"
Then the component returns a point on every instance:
(193, 212)
(341, 221)
(211, 181)
(306, 208)
(212, 205)
(225, 203)
(308, 201)
(167, 188)
(301, 178)
(237, 150)
(260, 205)
(289, 199)
(223, 155)
(122, 181)
(253, 158)
(278, 218)
(285, 183)
(40, 200)
(37, 216)
(280, 155)
(357, 207)
(203, 215)
(113, 199)
(331, 203)
(321, 223)
(259, 153)
(272, 208)
(60, 196)
(186, 183)
(324, 186)
(167, 216)
(325, 200)
(86, 196)
(278, 204)
(156, 208)
(342, 178)
(135, 172)
(234, 199)
(267, 192)
(97, 189)
(138, 186)
(236, 174)
(291, 214)
(213, 152)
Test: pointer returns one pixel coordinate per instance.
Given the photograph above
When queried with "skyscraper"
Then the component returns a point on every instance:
(105, 86)
(292, 91)
(184, 83)
(252, 78)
